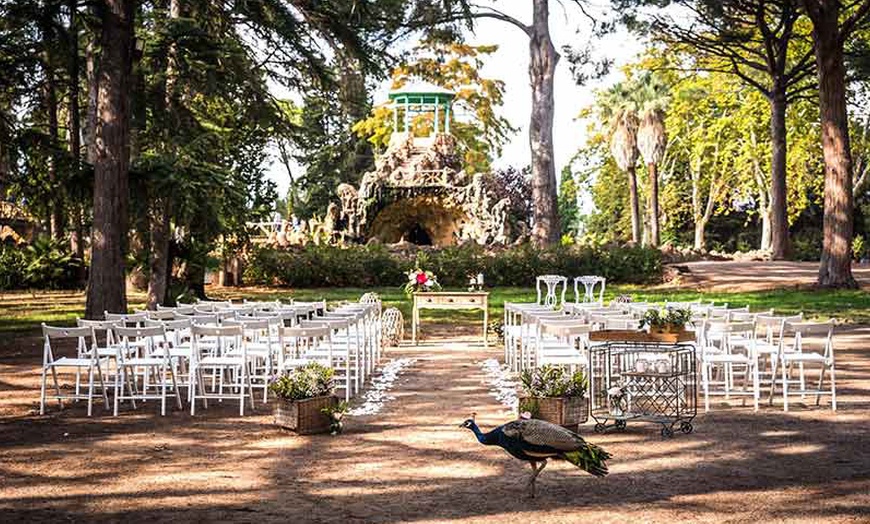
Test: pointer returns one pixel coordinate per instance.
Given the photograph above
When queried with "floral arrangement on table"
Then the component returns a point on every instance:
(475, 282)
(308, 381)
(419, 280)
(666, 320)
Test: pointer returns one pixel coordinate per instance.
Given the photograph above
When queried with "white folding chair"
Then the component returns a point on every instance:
(562, 343)
(343, 354)
(228, 361)
(261, 343)
(85, 360)
(312, 342)
(812, 344)
(145, 351)
(723, 360)
(105, 344)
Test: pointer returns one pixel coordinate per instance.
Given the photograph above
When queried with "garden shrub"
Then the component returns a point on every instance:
(44, 264)
(325, 266)
(375, 266)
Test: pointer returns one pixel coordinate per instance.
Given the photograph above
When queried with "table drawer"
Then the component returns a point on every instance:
(446, 300)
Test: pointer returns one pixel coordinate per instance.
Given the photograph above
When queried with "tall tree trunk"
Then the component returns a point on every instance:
(93, 90)
(160, 217)
(655, 237)
(779, 243)
(542, 65)
(55, 219)
(106, 286)
(700, 234)
(765, 242)
(73, 88)
(835, 269)
(77, 243)
(158, 278)
(635, 205)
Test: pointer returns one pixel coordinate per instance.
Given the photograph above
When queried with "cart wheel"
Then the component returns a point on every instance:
(686, 427)
(620, 425)
(667, 432)
(599, 428)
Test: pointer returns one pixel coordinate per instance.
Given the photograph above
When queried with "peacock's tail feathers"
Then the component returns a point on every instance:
(589, 458)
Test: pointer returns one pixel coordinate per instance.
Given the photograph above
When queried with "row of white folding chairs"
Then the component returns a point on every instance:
(239, 354)
(772, 356)
(769, 350)
(348, 339)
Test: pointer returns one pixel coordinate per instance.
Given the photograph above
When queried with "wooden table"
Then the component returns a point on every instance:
(449, 300)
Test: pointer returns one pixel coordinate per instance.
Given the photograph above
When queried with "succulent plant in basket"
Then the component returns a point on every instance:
(301, 395)
(554, 394)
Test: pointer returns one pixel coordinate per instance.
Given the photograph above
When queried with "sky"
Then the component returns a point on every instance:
(568, 26)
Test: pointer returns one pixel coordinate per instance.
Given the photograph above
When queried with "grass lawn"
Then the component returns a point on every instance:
(24, 311)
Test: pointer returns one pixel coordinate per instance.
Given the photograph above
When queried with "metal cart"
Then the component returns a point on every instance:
(643, 381)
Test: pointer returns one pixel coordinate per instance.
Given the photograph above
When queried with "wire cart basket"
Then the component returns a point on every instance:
(643, 381)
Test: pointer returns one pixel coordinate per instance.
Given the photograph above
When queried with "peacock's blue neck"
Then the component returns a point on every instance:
(485, 438)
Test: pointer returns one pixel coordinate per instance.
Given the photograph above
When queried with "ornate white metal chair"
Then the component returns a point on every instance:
(589, 283)
(552, 282)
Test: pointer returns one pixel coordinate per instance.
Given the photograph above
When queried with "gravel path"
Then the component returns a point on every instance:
(755, 275)
(411, 463)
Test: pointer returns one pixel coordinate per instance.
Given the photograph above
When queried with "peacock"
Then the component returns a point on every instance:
(536, 441)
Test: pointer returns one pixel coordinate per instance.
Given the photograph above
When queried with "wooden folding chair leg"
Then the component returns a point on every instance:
(42, 392)
(90, 391)
(56, 386)
(103, 387)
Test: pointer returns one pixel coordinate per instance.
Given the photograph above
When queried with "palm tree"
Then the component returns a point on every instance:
(652, 138)
(618, 106)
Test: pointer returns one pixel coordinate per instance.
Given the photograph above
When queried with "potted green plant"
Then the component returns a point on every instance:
(554, 394)
(671, 320)
(302, 395)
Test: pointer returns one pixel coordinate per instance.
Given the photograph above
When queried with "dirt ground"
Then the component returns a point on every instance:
(411, 463)
(732, 275)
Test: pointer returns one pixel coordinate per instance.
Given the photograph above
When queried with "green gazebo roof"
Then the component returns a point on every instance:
(422, 89)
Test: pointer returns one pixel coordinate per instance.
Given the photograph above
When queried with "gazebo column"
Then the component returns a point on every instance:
(447, 117)
(395, 117)
(436, 118)
(407, 116)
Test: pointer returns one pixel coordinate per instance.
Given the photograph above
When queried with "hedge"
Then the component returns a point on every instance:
(374, 266)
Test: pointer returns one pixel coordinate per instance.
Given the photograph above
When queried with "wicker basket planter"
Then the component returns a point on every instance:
(568, 412)
(304, 416)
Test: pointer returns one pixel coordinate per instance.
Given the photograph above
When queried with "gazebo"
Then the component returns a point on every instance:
(417, 98)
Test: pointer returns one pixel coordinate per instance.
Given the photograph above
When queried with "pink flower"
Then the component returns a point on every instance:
(421, 278)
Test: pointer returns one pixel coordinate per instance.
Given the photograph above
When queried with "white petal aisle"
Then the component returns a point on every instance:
(501, 385)
(378, 394)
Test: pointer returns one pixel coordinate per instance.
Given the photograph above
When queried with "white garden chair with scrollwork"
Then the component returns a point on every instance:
(589, 283)
(552, 282)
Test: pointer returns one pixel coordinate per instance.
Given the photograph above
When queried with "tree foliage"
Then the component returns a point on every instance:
(444, 59)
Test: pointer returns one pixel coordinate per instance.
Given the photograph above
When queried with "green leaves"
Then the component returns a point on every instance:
(309, 381)
(553, 381)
